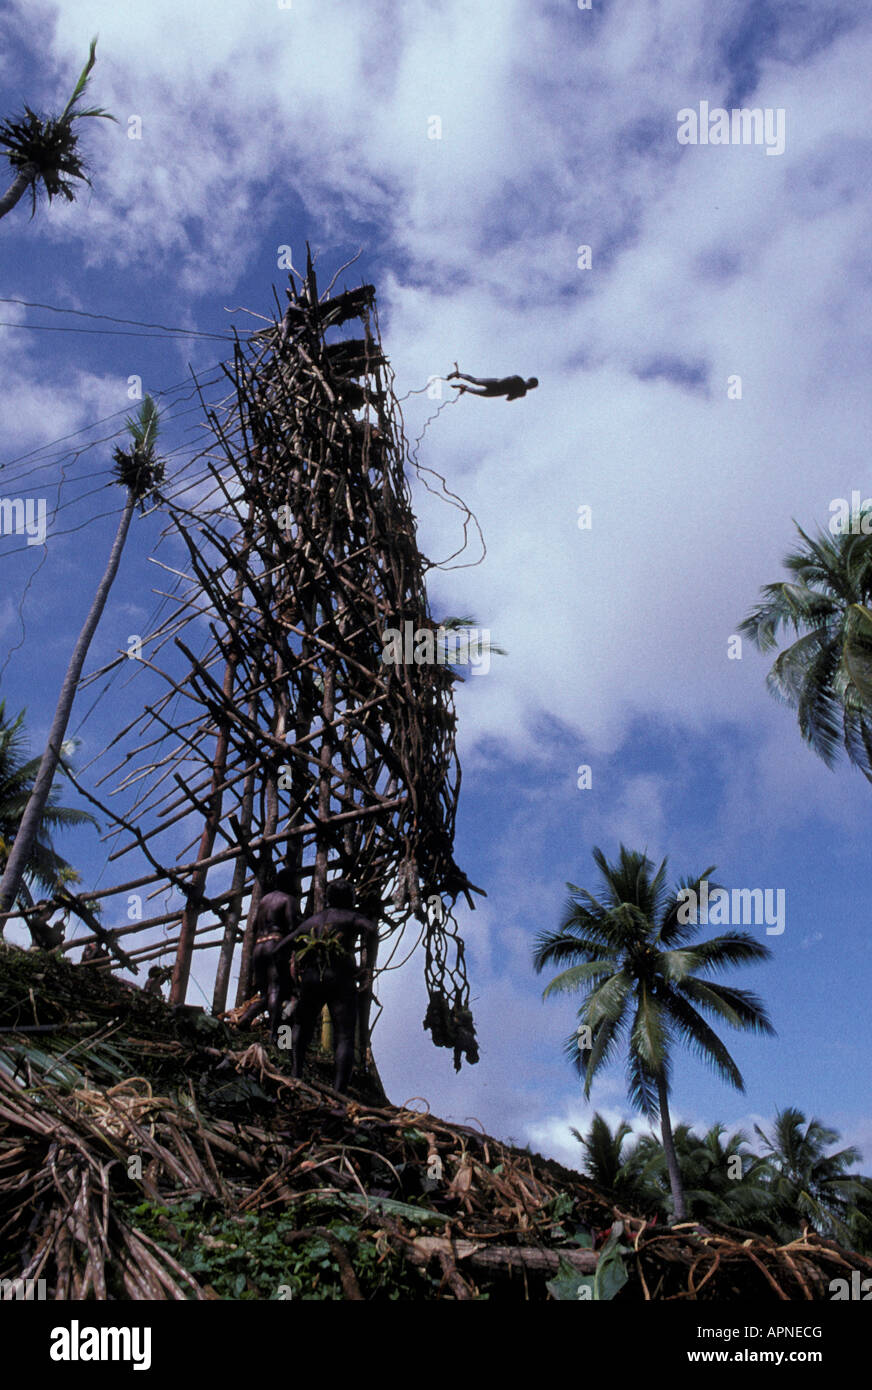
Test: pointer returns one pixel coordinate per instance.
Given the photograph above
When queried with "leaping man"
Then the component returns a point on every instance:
(512, 387)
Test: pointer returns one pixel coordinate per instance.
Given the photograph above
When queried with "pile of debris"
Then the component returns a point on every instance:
(147, 1154)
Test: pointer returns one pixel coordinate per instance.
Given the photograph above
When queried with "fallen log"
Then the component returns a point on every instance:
(495, 1258)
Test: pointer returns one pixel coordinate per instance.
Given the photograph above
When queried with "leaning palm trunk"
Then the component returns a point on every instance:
(25, 839)
(18, 187)
(679, 1209)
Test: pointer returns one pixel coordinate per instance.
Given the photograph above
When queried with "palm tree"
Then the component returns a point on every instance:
(138, 470)
(711, 1191)
(44, 867)
(618, 1172)
(826, 674)
(43, 151)
(629, 950)
(808, 1185)
(466, 639)
(859, 1220)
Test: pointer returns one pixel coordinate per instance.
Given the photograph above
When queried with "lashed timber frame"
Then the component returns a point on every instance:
(288, 740)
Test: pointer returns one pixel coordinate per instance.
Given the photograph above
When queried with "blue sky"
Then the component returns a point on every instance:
(263, 126)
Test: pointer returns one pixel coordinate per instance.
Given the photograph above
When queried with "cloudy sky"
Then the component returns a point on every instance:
(469, 150)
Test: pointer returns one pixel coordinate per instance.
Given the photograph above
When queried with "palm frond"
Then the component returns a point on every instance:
(649, 1034)
(79, 90)
(568, 981)
(819, 707)
(642, 1087)
(606, 1041)
(701, 1039)
(826, 674)
(738, 1007)
(672, 931)
(718, 953)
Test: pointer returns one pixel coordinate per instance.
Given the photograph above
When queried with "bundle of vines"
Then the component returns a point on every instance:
(148, 1152)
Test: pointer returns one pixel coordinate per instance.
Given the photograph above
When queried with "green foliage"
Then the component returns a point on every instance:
(17, 775)
(468, 631)
(138, 468)
(559, 1210)
(642, 976)
(604, 1163)
(79, 89)
(50, 144)
(807, 1184)
(826, 674)
(567, 1283)
(247, 1258)
(390, 1207)
(610, 1277)
(561, 1206)
(792, 1183)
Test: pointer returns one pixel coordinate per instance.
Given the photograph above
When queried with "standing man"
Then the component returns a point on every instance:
(327, 973)
(278, 914)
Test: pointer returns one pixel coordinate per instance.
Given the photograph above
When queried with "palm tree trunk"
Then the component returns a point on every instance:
(19, 185)
(678, 1204)
(32, 819)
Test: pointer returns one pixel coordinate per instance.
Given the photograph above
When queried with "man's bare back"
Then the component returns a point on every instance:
(276, 913)
(339, 924)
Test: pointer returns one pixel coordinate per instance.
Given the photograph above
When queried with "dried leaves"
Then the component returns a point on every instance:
(81, 1150)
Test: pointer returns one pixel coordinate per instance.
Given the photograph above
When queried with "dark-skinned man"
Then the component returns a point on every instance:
(43, 932)
(277, 915)
(327, 973)
(96, 951)
(512, 387)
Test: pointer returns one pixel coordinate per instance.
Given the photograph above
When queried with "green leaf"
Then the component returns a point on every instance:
(392, 1208)
(79, 90)
(610, 1277)
(567, 1282)
(561, 1206)
(610, 1272)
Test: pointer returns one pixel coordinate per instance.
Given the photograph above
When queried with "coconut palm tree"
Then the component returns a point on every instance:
(630, 950)
(718, 1193)
(44, 866)
(859, 1220)
(713, 1191)
(613, 1167)
(807, 1184)
(826, 674)
(44, 152)
(465, 640)
(140, 471)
